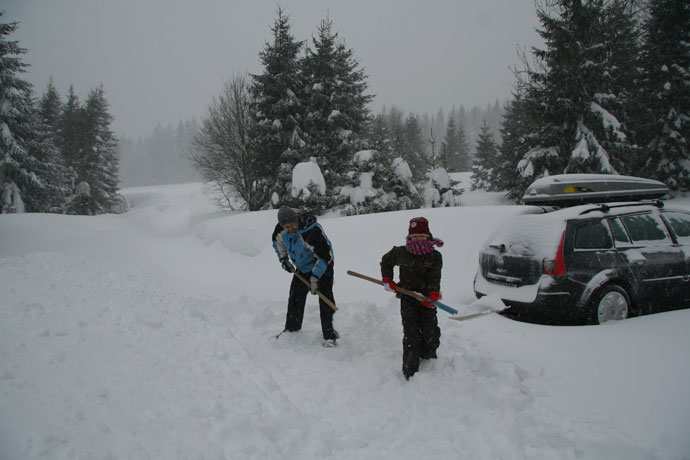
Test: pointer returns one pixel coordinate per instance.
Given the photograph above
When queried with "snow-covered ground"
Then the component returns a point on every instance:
(150, 335)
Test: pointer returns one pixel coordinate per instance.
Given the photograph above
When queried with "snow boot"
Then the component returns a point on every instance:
(330, 343)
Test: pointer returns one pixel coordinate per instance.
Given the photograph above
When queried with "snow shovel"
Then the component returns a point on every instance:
(323, 297)
(416, 295)
(419, 296)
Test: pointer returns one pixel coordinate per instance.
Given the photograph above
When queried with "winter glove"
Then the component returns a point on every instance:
(314, 284)
(388, 284)
(287, 266)
(433, 296)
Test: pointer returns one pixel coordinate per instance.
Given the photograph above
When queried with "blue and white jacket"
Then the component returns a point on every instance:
(309, 248)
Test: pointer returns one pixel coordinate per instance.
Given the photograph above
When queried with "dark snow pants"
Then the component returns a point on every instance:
(421, 334)
(298, 298)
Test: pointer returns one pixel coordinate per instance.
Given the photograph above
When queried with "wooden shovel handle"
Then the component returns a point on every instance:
(407, 292)
(323, 297)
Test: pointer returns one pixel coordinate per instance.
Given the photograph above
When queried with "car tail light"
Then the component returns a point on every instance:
(556, 266)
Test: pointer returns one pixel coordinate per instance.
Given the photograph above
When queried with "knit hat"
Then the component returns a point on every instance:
(286, 215)
(419, 226)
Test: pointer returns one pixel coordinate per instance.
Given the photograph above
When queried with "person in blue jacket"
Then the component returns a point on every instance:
(300, 240)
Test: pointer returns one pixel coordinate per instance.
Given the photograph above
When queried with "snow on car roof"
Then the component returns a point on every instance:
(540, 234)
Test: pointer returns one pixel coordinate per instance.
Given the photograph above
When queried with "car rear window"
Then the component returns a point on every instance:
(645, 229)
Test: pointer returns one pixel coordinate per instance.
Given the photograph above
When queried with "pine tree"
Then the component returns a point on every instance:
(104, 147)
(97, 163)
(15, 106)
(514, 137)
(448, 146)
(574, 99)
(335, 105)
(439, 189)
(379, 183)
(665, 127)
(29, 164)
(617, 86)
(438, 125)
(454, 149)
(408, 140)
(278, 138)
(378, 135)
(71, 139)
(485, 165)
(396, 131)
(50, 109)
(50, 113)
(391, 174)
(412, 148)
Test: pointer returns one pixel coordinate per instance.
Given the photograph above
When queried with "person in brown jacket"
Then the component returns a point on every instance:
(420, 270)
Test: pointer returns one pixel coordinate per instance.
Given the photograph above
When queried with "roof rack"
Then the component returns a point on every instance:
(605, 207)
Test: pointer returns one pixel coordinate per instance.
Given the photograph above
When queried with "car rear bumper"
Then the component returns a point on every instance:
(553, 300)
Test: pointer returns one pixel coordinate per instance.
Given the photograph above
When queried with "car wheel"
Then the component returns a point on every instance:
(610, 303)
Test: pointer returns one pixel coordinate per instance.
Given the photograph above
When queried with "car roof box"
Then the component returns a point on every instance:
(573, 189)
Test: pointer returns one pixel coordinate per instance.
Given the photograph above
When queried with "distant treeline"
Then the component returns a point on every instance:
(164, 156)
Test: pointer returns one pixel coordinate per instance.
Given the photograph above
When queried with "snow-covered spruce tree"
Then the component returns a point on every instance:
(30, 168)
(71, 136)
(485, 165)
(447, 145)
(617, 87)
(665, 130)
(377, 182)
(407, 141)
(412, 148)
(389, 176)
(50, 109)
(277, 137)
(308, 189)
(50, 114)
(335, 106)
(574, 98)
(455, 153)
(377, 135)
(437, 131)
(439, 191)
(396, 131)
(514, 132)
(97, 163)
(103, 144)
(222, 152)
(15, 107)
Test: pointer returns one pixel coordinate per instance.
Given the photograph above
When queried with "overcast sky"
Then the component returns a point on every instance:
(162, 61)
